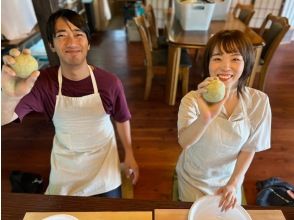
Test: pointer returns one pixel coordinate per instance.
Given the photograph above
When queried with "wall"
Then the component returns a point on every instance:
(288, 12)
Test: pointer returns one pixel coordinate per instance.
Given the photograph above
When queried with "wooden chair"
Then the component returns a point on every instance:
(272, 37)
(159, 58)
(244, 12)
(126, 184)
(158, 41)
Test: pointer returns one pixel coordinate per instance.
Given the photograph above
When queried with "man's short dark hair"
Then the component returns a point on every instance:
(67, 15)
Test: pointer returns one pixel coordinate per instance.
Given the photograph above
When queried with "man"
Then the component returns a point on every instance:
(79, 99)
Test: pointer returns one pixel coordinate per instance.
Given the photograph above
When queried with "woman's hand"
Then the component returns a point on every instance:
(12, 85)
(208, 111)
(228, 197)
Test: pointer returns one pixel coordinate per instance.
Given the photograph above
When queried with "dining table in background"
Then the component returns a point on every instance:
(14, 206)
(179, 38)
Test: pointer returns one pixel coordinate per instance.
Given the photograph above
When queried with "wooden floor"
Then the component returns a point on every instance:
(27, 146)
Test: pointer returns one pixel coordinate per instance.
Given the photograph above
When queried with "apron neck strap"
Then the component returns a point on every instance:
(92, 79)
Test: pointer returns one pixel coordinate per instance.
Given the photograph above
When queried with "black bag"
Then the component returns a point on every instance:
(273, 192)
(23, 182)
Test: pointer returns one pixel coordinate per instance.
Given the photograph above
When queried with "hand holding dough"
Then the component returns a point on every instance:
(215, 91)
(24, 65)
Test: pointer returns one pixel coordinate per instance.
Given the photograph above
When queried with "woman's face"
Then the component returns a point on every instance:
(228, 67)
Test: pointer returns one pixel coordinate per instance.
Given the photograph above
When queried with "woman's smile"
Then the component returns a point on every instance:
(224, 77)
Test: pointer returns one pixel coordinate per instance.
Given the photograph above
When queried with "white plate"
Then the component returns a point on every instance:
(207, 208)
(60, 217)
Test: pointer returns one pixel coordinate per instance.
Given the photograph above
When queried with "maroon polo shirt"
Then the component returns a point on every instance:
(42, 97)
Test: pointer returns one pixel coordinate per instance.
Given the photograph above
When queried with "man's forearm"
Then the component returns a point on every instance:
(124, 132)
(8, 105)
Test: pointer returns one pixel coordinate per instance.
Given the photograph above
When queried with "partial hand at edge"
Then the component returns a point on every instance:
(12, 85)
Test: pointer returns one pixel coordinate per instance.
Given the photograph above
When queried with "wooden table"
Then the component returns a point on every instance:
(16, 205)
(179, 38)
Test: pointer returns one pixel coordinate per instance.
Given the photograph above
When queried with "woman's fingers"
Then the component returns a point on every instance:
(228, 200)
(200, 91)
(205, 82)
(234, 203)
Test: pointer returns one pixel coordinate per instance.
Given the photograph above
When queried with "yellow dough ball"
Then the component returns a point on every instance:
(24, 65)
(215, 91)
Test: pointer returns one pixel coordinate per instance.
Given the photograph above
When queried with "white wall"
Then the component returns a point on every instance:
(288, 12)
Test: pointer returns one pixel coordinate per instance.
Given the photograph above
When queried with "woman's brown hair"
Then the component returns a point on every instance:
(231, 41)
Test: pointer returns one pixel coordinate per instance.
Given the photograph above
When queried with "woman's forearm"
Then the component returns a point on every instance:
(191, 134)
(243, 162)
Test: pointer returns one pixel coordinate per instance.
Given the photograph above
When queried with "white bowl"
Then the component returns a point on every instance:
(207, 208)
(60, 217)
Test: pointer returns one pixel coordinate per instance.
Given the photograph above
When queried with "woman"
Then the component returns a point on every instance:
(219, 140)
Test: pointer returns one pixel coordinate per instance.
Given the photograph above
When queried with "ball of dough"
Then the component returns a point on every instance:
(215, 91)
(24, 65)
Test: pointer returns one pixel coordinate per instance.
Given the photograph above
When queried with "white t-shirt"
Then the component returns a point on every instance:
(209, 163)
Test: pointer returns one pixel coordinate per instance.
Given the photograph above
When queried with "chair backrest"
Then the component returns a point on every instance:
(272, 37)
(154, 34)
(145, 37)
(244, 12)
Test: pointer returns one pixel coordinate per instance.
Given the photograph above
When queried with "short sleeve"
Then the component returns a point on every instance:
(121, 111)
(188, 111)
(260, 119)
(112, 94)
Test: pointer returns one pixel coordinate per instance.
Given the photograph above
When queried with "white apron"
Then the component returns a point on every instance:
(209, 164)
(84, 157)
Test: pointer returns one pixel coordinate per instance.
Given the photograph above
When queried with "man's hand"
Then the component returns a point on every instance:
(12, 85)
(131, 168)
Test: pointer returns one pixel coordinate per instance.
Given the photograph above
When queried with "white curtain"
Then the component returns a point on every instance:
(17, 18)
(102, 14)
(159, 7)
(288, 12)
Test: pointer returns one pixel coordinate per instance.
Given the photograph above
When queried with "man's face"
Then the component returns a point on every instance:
(70, 43)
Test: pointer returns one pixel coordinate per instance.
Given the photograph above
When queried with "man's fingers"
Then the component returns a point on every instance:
(7, 70)
(135, 176)
(32, 78)
(8, 60)
(26, 51)
(14, 52)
